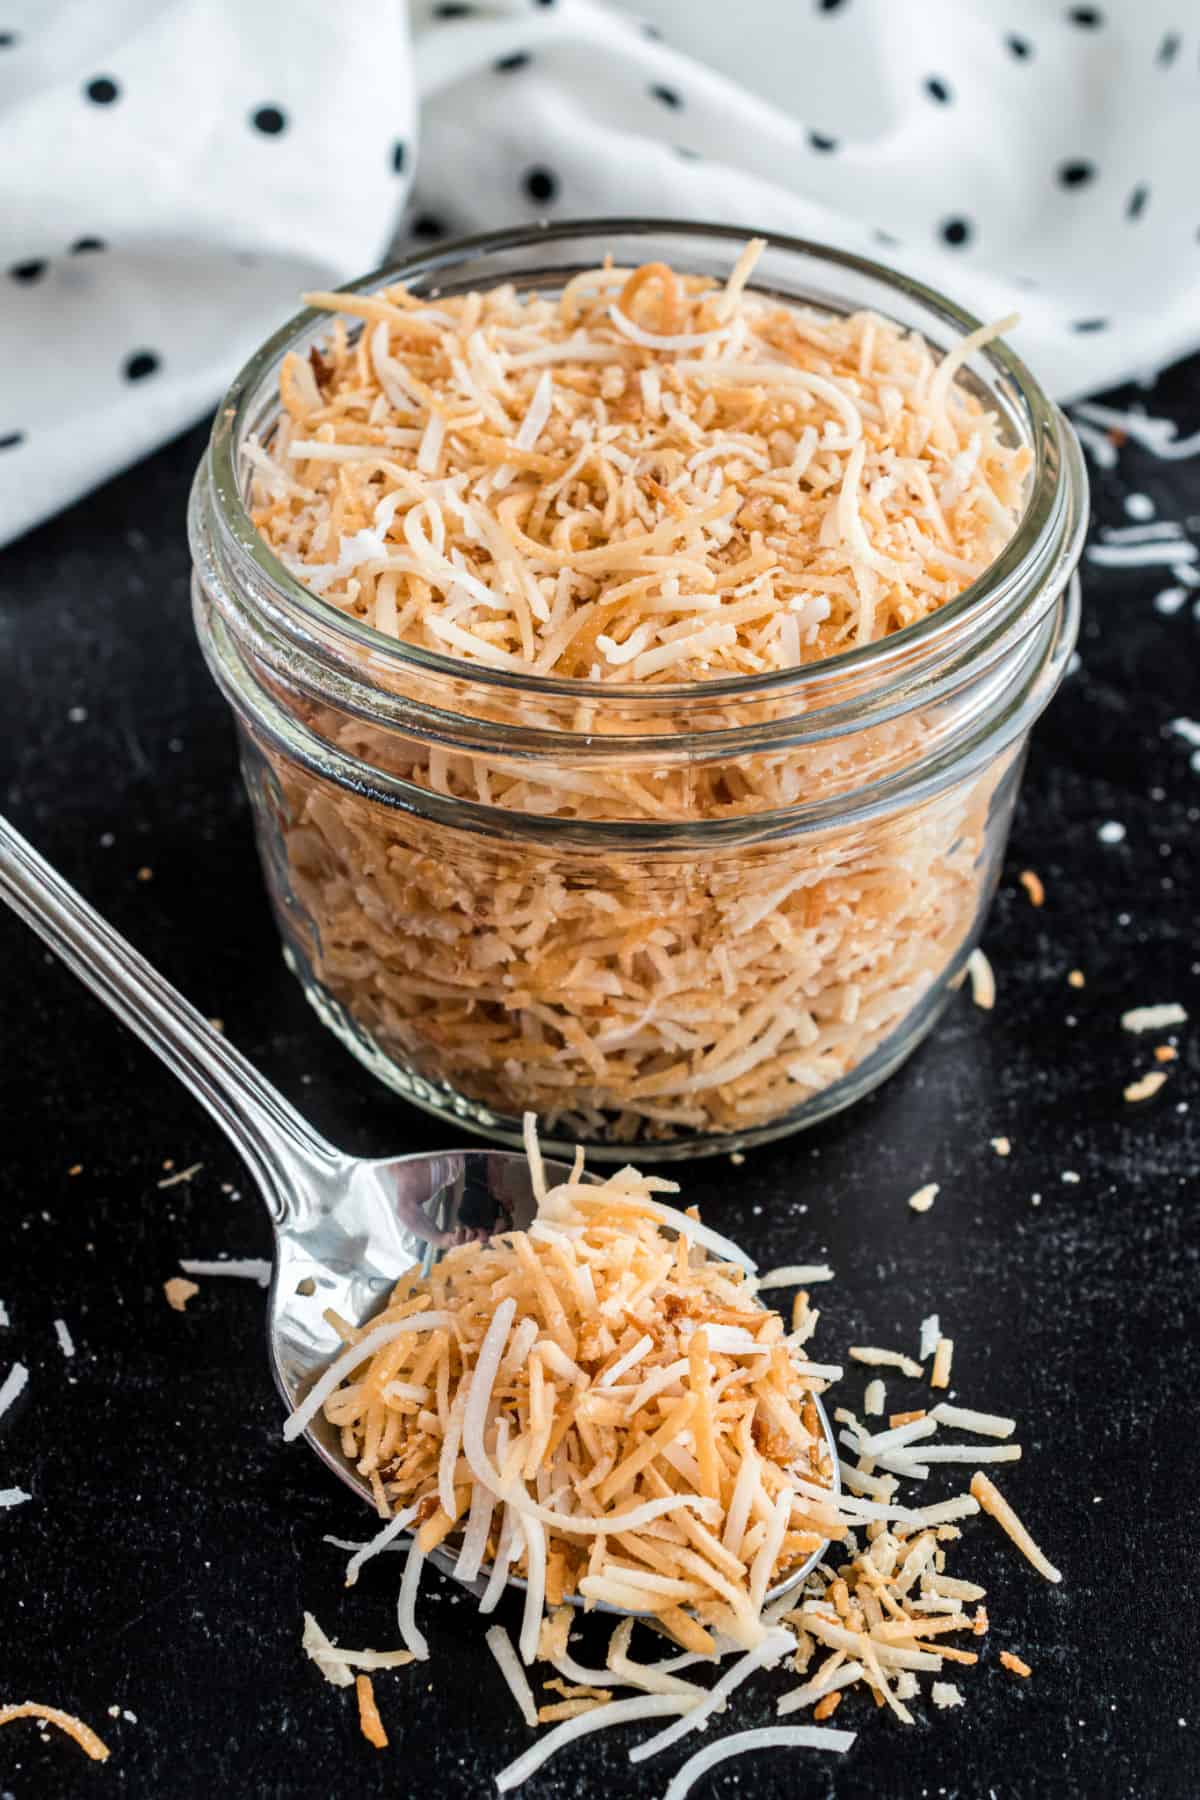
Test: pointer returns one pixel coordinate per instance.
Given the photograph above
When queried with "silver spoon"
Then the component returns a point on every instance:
(346, 1227)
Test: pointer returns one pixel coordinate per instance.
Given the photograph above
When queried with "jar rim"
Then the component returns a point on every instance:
(1001, 588)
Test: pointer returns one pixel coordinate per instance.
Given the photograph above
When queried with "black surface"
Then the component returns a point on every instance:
(173, 1541)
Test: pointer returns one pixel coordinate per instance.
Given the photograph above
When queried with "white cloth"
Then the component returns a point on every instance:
(1026, 156)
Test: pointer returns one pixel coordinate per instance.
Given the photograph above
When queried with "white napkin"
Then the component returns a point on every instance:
(1030, 157)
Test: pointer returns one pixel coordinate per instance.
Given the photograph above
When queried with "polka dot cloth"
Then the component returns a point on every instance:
(173, 174)
(1022, 155)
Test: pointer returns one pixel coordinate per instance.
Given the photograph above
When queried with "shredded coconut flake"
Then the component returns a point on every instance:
(244, 1268)
(742, 1743)
(12, 1386)
(1154, 1018)
(645, 479)
(983, 981)
(501, 1647)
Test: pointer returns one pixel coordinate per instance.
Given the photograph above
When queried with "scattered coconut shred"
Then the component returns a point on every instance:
(645, 479)
(179, 1290)
(603, 1407)
(75, 1728)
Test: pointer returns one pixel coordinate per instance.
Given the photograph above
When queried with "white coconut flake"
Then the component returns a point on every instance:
(243, 1268)
(931, 1331)
(795, 1275)
(365, 1552)
(965, 1418)
(500, 1645)
(12, 1386)
(1154, 1018)
(983, 981)
(406, 1609)
(774, 1647)
(13, 1496)
(766, 1737)
(945, 1693)
(317, 1646)
(66, 1342)
(924, 1197)
(615, 1712)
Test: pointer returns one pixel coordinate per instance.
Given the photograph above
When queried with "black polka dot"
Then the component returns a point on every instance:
(1135, 206)
(956, 232)
(504, 65)
(1168, 50)
(667, 95)
(1089, 325)
(829, 5)
(1019, 47)
(398, 155)
(938, 90)
(139, 365)
(27, 272)
(452, 11)
(540, 184)
(1087, 16)
(270, 120)
(426, 226)
(103, 90)
(81, 245)
(8, 40)
(819, 141)
(10, 439)
(543, 2)
(1076, 174)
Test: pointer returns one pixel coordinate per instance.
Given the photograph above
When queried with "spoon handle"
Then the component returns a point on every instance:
(283, 1152)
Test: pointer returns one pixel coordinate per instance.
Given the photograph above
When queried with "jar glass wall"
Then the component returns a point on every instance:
(685, 918)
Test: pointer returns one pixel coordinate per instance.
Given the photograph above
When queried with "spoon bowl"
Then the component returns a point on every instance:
(346, 1228)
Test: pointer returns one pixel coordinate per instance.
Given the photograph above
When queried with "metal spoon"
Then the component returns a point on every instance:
(346, 1227)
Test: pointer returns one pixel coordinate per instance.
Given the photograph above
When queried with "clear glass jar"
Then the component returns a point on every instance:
(684, 918)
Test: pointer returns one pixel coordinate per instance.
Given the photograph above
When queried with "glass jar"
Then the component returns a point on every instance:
(684, 919)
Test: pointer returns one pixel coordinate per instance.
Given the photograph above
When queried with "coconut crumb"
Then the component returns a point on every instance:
(1165, 1053)
(1146, 1086)
(1075, 978)
(924, 1197)
(179, 1290)
(942, 1358)
(945, 1693)
(1001, 1145)
(1033, 887)
(983, 980)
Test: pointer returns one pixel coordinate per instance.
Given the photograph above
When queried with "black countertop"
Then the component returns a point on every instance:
(173, 1542)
